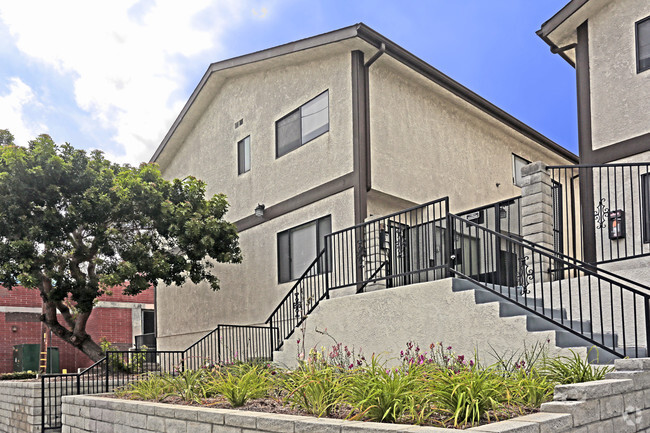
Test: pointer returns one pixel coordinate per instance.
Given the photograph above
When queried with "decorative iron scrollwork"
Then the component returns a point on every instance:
(361, 253)
(297, 304)
(600, 214)
(525, 275)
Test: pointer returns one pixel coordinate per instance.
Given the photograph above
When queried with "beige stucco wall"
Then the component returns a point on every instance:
(382, 322)
(250, 290)
(261, 98)
(427, 143)
(619, 96)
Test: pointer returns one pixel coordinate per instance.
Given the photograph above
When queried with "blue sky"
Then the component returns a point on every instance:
(114, 75)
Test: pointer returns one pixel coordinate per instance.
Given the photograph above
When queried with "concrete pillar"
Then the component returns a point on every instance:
(537, 212)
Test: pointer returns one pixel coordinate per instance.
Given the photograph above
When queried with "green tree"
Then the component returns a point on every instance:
(6, 137)
(74, 224)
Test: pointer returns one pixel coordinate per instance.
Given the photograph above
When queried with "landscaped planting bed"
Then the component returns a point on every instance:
(432, 387)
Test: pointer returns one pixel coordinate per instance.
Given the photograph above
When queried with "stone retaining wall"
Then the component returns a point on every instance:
(619, 404)
(20, 406)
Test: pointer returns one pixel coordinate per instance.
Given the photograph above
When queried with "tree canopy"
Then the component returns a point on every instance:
(73, 224)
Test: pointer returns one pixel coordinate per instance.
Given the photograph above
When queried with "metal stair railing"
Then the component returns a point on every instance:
(400, 248)
(602, 310)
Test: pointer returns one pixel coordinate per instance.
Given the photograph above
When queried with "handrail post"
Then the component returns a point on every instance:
(450, 243)
(42, 403)
(328, 239)
(647, 325)
(78, 384)
(107, 366)
(497, 244)
(219, 344)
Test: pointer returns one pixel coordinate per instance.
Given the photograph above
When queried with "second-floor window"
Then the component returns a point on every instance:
(302, 125)
(643, 45)
(244, 155)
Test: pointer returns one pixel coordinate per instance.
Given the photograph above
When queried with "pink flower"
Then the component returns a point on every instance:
(301, 356)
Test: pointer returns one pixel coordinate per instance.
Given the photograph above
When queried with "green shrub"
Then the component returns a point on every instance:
(382, 394)
(18, 375)
(153, 387)
(314, 387)
(469, 394)
(240, 383)
(190, 385)
(529, 388)
(573, 369)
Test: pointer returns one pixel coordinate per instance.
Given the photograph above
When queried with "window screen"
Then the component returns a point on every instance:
(299, 246)
(517, 163)
(645, 204)
(302, 125)
(244, 155)
(643, 44)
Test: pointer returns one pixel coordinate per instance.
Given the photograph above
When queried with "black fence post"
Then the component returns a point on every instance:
(107, 367)
(450, 245)
(647, 325)
(497, 243)
(219, 344)
(42, 403)
(78, 384)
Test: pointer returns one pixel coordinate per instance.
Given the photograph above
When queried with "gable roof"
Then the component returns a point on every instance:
(377, 40)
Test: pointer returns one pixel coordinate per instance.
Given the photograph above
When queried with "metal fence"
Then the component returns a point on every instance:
(604, 210)
(604, 310)
(402, 248)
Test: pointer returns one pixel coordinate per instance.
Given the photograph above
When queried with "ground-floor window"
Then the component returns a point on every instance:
(299, 246)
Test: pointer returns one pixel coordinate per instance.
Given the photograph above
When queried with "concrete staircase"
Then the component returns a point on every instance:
(535, 323)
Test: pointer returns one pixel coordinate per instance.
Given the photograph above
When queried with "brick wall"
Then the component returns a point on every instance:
(113, 323)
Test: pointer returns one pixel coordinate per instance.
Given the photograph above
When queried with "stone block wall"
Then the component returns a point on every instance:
(618, 404)
(20, 406)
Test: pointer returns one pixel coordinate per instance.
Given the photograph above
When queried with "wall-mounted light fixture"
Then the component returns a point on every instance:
(259, 210)
(14, 328)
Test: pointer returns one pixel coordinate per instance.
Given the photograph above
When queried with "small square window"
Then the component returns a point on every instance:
(643, 45)
(302, 125)
(244, 155)
(517, 163)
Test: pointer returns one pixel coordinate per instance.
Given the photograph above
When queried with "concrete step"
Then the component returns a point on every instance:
(535, 323)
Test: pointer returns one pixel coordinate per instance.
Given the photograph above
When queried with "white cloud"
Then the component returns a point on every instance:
(12, 111)
(126, 59)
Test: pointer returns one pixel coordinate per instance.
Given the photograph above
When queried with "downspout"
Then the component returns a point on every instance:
(366, 71)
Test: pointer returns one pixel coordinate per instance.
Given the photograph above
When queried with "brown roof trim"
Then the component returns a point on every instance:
(419, 65)
(369, 35)
(556, 20)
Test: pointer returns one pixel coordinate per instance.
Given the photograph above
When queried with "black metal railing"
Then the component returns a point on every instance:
(503, 216)
(226, 344)
(117, 368)
(603, 310)
(604, 210)
(402, 248)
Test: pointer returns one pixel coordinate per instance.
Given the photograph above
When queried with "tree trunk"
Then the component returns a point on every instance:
(77, 337)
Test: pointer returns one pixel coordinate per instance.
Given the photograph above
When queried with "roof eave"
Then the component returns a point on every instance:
(419, 65)
(258, 56)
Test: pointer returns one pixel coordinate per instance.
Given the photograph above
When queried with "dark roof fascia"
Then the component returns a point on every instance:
(372, 37)
(258, 56)
(555, 21)
(563, 14)
(419, 65)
